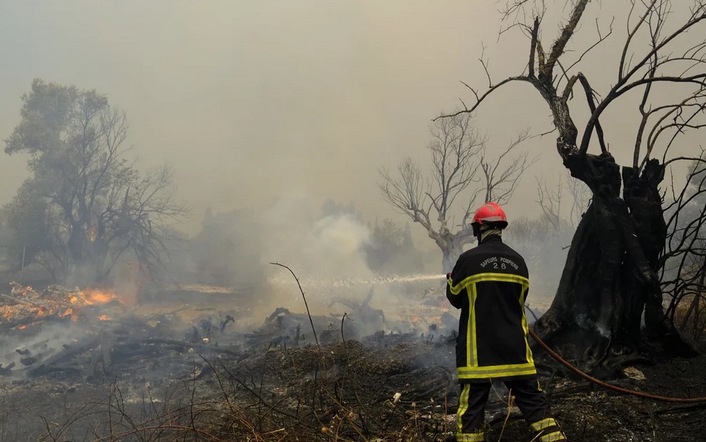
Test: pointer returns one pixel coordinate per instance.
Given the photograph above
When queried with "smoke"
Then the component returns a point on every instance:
(335, 245)
(319, 249)
(22, 348)
(326, 247)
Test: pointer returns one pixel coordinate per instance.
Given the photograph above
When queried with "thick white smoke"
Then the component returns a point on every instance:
(327, 253)
(320, 250)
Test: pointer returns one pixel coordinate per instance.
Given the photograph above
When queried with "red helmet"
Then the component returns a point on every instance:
(490, 213)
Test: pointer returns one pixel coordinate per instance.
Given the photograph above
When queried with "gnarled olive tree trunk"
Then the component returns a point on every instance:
(609, 283)
(608, 305)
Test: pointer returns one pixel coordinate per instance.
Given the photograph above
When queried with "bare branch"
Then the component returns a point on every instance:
(458, 154)
(698, 80)
(601, 39)
(631, 34)
(502, 178)
(564, 37)
(480, 99)
(404, 193)
(533, 46)
(592, 106)
(550, 203)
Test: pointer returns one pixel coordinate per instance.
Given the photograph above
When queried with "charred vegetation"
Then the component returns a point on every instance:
(611, 279)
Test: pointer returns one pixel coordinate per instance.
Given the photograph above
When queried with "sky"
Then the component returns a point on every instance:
(247, 101)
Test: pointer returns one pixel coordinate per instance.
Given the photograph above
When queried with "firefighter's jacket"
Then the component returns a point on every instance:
(490, 284)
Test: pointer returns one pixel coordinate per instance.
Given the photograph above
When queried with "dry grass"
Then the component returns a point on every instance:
(235, 405)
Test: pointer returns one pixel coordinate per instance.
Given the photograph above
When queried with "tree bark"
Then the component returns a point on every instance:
(451, 250)
(75, 243)
(610, 276)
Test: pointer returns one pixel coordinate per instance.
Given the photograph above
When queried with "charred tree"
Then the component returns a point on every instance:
(610, 280)
(461, 172)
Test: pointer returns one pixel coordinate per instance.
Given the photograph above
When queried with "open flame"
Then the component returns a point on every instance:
(54, 301)
(91, 297)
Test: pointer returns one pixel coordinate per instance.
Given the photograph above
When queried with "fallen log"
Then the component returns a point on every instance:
(67, 352)
(32, 318)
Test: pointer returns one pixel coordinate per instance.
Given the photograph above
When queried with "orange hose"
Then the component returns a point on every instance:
(606, 385)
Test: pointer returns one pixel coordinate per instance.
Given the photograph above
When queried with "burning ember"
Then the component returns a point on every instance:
(26, 305)
(91, 297)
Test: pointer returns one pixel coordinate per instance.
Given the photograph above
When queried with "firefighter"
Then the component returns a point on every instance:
(489, 283)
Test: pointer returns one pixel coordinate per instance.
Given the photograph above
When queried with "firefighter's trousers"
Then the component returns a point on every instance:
(529, 398)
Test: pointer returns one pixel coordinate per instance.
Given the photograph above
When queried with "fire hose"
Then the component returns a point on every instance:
(554, 355)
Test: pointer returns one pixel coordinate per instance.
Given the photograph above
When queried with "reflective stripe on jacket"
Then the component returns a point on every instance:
(490, 284)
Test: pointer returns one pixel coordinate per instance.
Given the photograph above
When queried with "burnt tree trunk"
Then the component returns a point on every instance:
(609, 282)
(451, 248)
(75, 242)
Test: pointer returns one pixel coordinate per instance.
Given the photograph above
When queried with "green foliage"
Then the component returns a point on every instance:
(46, 115)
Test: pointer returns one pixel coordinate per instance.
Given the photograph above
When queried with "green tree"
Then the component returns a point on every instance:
(92, 201)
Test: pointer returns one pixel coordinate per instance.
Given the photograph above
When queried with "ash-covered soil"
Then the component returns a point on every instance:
(345, 391)
(591, 413)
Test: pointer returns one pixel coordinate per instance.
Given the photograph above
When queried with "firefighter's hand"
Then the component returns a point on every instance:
(448, 276)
